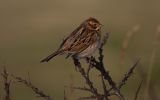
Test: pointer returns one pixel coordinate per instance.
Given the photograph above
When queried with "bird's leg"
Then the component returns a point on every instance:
(89, 61)
(76, 62)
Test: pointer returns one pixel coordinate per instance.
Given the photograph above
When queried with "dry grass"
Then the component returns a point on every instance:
(125, 43)
(151, 64)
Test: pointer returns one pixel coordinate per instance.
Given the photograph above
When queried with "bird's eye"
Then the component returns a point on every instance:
(95, 25)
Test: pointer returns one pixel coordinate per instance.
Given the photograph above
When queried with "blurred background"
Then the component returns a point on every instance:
(32, 29)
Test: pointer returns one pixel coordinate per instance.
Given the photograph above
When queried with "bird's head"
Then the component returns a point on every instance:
(93, 24)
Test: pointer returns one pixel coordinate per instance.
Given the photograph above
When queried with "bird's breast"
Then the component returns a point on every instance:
(89, 51)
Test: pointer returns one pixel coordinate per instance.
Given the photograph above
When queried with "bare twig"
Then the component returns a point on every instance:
(36, 90)
(83, 73)
(106, 92)
(138, 90)
(100, 66)
(6, 84)
(83, 89)
(128, 74)
(104, 40)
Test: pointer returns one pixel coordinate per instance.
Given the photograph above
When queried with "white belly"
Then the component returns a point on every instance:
(89, 51)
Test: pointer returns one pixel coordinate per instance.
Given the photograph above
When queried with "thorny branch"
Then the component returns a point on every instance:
(6, 84)
(83, 88)
(86, 77)
(106, 92)
(138, 89)
(129, 73)
(36, 90)
(99, 65)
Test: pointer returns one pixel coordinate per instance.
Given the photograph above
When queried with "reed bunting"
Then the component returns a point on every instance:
(82, 42)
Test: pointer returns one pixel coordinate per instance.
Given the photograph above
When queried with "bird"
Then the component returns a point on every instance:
(82, 42)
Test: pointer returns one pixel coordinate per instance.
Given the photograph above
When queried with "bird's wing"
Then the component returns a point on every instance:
(68, 42)
(83, 42)
(80, 39)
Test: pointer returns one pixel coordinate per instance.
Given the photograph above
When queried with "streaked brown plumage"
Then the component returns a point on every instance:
(82, 42)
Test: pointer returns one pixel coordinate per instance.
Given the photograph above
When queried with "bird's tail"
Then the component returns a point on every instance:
(51, 56)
